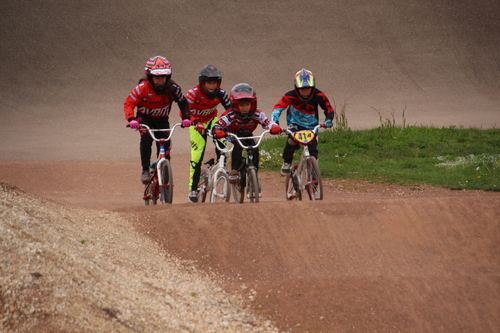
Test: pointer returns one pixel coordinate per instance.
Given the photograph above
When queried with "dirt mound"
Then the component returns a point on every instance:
(65, 269)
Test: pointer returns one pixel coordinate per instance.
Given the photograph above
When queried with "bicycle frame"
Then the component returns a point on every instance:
(160, 184)
(215, 173)
(305, 175)
(248, 170)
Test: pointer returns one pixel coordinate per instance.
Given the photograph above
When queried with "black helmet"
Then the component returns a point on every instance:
(210, 73)
(243, 93)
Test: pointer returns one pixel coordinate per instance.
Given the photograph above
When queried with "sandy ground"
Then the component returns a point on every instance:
(367, 258)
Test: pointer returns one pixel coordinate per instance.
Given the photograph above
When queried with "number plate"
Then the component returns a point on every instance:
(304, 137)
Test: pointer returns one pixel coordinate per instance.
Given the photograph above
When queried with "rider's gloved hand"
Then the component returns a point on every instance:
(275, 129)
(328, 123)
(134, 124)
(219, 134)
(200, 128)
(186, 123)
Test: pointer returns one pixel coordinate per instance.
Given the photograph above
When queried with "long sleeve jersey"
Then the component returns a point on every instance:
(202, 108)
(300, 113)
(155, 106)
(231, 122)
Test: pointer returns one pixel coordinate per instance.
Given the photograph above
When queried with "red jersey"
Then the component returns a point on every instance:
(155, 106)
(232, 123)
(202, 108)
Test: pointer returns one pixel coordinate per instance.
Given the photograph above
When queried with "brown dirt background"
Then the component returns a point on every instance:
(369, 257)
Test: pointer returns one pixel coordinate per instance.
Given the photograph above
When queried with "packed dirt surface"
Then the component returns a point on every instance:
(80, 252)
(369, 257)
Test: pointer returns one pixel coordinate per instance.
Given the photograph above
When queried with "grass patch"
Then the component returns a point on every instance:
(452, 157)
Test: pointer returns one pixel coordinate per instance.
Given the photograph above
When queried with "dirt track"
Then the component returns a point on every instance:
(367, 258)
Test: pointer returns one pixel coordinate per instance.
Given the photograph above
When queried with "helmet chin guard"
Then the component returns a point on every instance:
(304, 79)
(158, 66)
(244, 93)
(210, 73)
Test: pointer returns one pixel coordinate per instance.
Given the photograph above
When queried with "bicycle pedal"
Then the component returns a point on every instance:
(234, 178)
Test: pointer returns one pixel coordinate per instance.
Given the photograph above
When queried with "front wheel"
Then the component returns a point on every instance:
(167, 187)
(253, 186)
(221, 191)
(239, 189)
(314, 185)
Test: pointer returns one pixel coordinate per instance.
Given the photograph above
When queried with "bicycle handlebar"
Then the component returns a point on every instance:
(315, 129)
(223, 150)
(238, 139)
(151, 131)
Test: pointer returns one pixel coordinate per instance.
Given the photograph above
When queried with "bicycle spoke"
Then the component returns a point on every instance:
(221, 190)
(253, 186)
(203, 185)
(239, 189)
(292, 188)
(167, 179)
(314, 185)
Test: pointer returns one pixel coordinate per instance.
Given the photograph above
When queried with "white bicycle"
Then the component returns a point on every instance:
(161, 182)
(215, 178)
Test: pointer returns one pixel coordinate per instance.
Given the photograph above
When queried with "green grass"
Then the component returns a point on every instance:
(455, 158)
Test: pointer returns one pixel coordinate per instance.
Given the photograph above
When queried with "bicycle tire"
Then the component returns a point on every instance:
(202, 186)
(314, 186)
(148, 193)
(167, 189)
(239, 189)
(292, 188)
(253, 186)
(221, 191)
(151, 192)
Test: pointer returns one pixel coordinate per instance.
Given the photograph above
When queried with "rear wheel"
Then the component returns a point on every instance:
(203, 185)
(292, 188)
(221, 191)
(239, 189)
(314, 186)
(167, 189)
(253, 186)
(151, 192)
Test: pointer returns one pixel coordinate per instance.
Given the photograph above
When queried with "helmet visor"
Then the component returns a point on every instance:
(161, 71)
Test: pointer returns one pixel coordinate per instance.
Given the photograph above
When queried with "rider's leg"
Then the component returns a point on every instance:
(236, 157)
(198, 144)
(290, 148)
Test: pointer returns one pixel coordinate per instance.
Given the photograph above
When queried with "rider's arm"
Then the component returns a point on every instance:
(182, 103)
(324, 103)
(224, 99)
(282, 104)
(263, 120)
(132, 101)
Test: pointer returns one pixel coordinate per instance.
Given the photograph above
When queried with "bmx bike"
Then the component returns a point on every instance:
(304, 174)
(248, 182)
(160, 185)
(215, 178)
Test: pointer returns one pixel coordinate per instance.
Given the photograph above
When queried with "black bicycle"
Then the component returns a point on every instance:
(248, 182)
